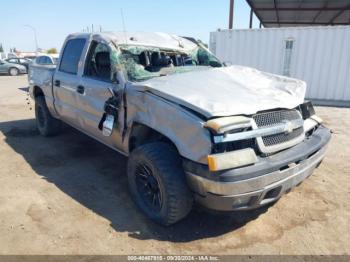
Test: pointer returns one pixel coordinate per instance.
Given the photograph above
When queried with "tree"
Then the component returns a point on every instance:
(1, 49)
(52, 51)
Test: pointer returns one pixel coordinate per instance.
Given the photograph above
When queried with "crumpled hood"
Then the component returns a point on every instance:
(229, 91)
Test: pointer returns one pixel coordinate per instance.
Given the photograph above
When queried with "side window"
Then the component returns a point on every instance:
(98, 63)
(47, 60)
(13, 60)
(39, 60)
(71, 56)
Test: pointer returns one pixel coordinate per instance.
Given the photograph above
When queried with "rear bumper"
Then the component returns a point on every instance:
(254, 186)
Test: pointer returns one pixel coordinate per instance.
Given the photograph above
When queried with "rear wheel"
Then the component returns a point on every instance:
(46, 124)
(13, 71)
(157, 183)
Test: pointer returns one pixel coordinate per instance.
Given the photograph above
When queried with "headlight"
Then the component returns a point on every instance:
(224, 124)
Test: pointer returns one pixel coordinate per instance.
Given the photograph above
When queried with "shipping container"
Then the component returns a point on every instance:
(318, 55)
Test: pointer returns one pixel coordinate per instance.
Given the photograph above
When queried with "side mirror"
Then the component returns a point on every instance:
(110, 116)
(107, 126)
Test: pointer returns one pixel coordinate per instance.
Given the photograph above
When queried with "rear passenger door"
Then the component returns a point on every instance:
(66, 81)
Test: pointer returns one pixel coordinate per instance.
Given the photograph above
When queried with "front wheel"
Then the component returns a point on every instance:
(13, 71)
(157, 183)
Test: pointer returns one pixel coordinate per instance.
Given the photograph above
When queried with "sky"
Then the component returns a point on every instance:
(55, 19)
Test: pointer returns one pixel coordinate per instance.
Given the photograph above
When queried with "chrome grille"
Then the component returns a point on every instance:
(275, 117)
(277, 142)
(277, 139)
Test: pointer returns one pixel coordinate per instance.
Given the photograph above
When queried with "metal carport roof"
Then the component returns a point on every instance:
(283, 13)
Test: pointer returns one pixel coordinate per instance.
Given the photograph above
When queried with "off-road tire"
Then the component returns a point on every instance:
(165, 164)
(46, 124)
(13, 71)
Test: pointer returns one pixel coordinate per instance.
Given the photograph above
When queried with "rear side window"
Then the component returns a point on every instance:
(46, 60)
(71, 55)
(43, 60)
(39, 60)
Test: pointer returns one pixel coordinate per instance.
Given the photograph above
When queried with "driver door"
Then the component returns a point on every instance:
(97, 82)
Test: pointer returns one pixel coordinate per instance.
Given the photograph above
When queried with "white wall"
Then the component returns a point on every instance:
(320, 56)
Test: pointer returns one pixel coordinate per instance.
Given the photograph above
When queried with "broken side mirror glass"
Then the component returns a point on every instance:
(108, 124)
(110, 115)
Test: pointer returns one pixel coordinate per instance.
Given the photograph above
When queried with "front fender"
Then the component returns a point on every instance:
(184, 129)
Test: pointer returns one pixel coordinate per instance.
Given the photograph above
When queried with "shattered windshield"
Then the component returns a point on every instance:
(142, 63)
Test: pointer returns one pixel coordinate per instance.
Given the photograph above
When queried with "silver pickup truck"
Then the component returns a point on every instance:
(195, 130)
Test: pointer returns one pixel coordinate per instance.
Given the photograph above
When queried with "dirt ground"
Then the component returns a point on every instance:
(68, 195)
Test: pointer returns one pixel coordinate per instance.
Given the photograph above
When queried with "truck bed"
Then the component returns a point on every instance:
(41, 75)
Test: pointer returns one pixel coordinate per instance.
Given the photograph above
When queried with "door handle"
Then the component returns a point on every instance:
(57, 83)
(80, 89)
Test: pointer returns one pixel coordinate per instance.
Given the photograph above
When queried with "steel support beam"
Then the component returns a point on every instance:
(251, 19)
(331, 22)
(256, 14)
(319, 12)
(230, 22)
(277, 16)
(301, 23)
(303, 8)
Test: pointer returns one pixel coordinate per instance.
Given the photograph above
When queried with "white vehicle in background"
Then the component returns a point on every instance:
(46, 59)
(41, 63)
(12, 55)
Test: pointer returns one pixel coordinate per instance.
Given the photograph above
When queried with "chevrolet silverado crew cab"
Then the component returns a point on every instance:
(195, 130)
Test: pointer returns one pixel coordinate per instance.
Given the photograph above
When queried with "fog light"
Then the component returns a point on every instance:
(232, 159)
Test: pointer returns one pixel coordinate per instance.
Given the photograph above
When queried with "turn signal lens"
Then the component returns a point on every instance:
(232, 159)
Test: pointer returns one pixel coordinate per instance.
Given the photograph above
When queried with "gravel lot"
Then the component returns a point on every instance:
(68, 195)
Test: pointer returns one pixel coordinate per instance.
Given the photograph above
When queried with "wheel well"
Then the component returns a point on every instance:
(12, 67)
(37, 92)
(142, 134)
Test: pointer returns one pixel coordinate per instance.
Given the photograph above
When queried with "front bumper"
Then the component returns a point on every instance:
(257, 185)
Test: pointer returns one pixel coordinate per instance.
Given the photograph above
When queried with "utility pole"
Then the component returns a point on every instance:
(230, 22)
(35, 37)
